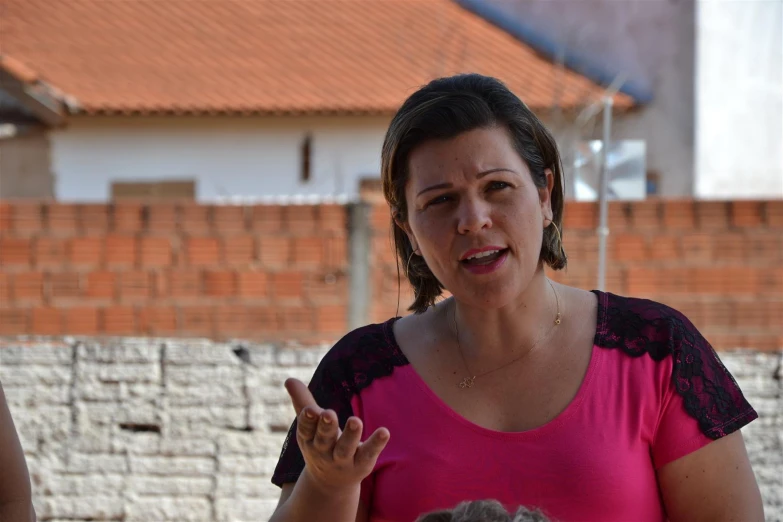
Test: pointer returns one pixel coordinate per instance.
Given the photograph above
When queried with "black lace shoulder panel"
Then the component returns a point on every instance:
(352, 364)
(710, 393)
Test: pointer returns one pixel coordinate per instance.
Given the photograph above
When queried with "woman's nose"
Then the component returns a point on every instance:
(473, 216)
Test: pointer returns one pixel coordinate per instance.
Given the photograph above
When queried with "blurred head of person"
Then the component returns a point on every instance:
(483, 511)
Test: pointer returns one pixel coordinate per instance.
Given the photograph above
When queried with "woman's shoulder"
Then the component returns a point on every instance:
(359, 357)
(642, 326)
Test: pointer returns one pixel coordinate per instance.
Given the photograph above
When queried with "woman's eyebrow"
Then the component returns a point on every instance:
(480, 175)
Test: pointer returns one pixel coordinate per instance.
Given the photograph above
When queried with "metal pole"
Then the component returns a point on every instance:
(603, 206)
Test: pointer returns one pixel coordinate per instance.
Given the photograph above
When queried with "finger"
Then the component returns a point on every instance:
(326, 433)
(307, 422)
(369, 450)
(300, 395)
(345, 447)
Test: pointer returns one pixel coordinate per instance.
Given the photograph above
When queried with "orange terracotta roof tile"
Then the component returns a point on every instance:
(269, 56)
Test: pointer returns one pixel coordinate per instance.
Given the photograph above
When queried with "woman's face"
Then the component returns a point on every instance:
(476, 216)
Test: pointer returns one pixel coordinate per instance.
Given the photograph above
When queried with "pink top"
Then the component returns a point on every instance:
(654, 391)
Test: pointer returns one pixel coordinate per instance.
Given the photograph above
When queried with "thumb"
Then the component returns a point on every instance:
(300, 395)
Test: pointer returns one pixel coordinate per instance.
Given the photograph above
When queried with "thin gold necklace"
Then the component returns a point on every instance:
(467, 382)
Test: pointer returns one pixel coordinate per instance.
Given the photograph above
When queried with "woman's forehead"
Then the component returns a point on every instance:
(468, 153)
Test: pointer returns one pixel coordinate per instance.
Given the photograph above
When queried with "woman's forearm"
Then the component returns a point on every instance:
(17, 511)
(310, 502)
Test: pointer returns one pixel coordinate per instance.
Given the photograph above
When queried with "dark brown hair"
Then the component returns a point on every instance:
(442, 110)
(483, 511)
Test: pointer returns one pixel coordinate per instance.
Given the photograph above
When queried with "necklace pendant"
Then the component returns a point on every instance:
(557, 319)
(467, 382)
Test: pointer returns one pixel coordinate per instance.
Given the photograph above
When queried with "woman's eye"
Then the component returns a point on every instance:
(498, 185)
(438, 200)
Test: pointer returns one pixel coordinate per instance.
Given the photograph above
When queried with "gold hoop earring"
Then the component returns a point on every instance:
(559, 237)
(408, 264)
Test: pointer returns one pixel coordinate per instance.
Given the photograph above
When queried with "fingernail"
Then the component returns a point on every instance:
(352, 425)
(309, 414)
(327, 420)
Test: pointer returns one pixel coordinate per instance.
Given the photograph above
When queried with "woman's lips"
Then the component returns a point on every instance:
(480, 269)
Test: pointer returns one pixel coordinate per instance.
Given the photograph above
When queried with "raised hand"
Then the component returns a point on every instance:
(334, 459)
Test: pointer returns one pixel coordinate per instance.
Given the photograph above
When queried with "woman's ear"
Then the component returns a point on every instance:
(545, 197)
(408, 232)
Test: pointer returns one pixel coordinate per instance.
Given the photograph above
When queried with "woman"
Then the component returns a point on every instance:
(15, 492)
(585, 405)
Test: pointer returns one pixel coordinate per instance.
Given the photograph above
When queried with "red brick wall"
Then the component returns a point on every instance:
(720, 263)
(281, 272)
(265, 272)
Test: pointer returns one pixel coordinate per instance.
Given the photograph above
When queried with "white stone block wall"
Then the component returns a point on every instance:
(190, 430)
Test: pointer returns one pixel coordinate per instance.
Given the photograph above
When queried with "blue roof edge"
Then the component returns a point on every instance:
(577, 62)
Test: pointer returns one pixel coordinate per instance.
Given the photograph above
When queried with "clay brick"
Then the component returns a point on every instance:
(183, 283)
(239, 251)
(665, 248)
(86, 251)
(729, 246)
(712, 215)
(679, 215)
(127, 217)
(267, 218)
(719, 313)
(15, 252)
(195, 219)
(751, 314)
(5, 289)
(81, 321)
(336, 252)
(158, 320)
(64, 286)
(219, 283)
(95, 218)
(135, 285)
(47, 321)
(308, 251)
(295, 319)
(6, 217)
(14, 321)
(252, 284)
(162, 218)
(380, 218)
(28, 218)
(203, 251)
(100, 285)
(50, 252)
(331, 319)
(231, 321)
(197, 320)
(62, 219)
(628, 247)
(774, 213)
(747, 214)
(275, 252)
(333, 219)
(697, 248)
(230, 219)
(301, 219)
(119, 320)
(580, 216)
(261, 320)
(645, 215)
(642, 282)
(619, 216)
(287, 285)
(764, 246)
(28, 287)
(121, 250)
(326, 288)
(155, 251)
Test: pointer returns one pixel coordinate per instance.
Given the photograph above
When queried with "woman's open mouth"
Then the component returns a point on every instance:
(485, 262)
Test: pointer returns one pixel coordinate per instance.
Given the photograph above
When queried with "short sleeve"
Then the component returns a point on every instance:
(701, 402)
(349, 367)
(329, 389)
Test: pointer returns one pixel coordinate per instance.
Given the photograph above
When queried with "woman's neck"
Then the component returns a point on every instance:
(496, 335)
